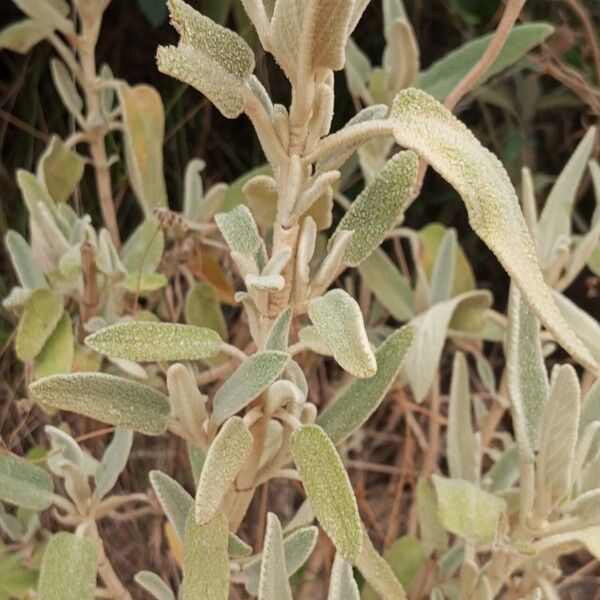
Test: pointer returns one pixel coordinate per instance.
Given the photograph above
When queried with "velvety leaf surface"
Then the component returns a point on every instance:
(24, 484)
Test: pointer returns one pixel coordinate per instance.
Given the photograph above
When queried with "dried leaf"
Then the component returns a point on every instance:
(274, 583)
(226, 456)
(351, 408)
(211, 58)
(106, 398)
(24, 484)
(328, 488)
(145, 341)
(429, 129)
(339, 322)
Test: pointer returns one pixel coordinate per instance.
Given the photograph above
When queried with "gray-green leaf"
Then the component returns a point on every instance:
(342, 585)
(175, 501)
(113, 462)
(24, 484)
(154, 585)
(274, 583)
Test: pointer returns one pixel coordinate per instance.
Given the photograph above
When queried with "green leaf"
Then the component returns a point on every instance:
(56, 356)
(225, 458)
(24, 484)
(250, 380)
(464, 460)
(388, 285)
(51, 12)
(211, 58)
(280, 331)
(442, 276)
(145, 341)
(65, 86)
(358, 70)
(237, 547)
(274, 583)
(144, 131)
(432, 534)
(154, 585)
(342, 585)
(68, 568)
(113, 462)
(143, 250)
(555, 220)
(425, 126)
(328, 488)
(466, 510)
(60, 169)
(239, 230)
(175, 501)
(106, 398)
(154, 10)
(206, 559)
(351, 408)
(23, 261)
(378, 208)
(43, 310)
(443, 76)
(203, 309)
(339, 322)
(22, 36)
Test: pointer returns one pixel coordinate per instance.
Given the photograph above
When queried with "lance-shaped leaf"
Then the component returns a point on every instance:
(312, 34)
(144, 128)
(297, 547)
(274, 583)
(526, 372)
(357, 402)
(60, 169)
(378, 208)
(239, 230)
(280, 331)
(443, 76)
(466, 510)
(206, 560)
(24, 484)
(106, 398)
(144, 248)
(203, 309)
(342, 585)
(22, 259)
(211, 58)
(339, 322)
(425, 126)
(462, 447)
(68, 568)
(558, 438)
(145, 341)
(250, 380)
(226, 456)
(65, 86)
(42, 313)
(442, 275)
(57, 354)
(21, 37)
(113, 462)
(154, 585)
(388, 285)
(175, 501)
(590, 412)
(328, 488)
(432, 533)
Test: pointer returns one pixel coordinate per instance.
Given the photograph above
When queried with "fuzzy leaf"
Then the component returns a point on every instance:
(425, 126)
(442, 276)
(145, 341)
(60, 169)
(154, 585)
(466, 510)
(378, 208)
(274, 583)
(351, 408)
(203, 309)
(68, 568)
(22, 36)
(42, 313)
(65, 86)
(113, 462)
(441, 77)
(339, 322)
(106, 398)
(213, 59)
(226, 456)
(280, 331)
(388, 285)
(432, 533)
(24, 263)
(144, 128)
(328, 488)
(206, 560)
(250, 380)
(56, 356)
(144, 248)
(175, 501)
(342, 585)
(24, 484)
(239, 230)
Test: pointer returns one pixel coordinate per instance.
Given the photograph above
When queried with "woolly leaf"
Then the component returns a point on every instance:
(68, 568)
(239, 230)
(351, 408)
(154, 585)
(226, 456)
(145, 341)
(24, 484)
(56, 356)
(339, 322)
(342, 585)
(175, 501)
(60, 169)
(378, 208)
(113, 462)
(328, 488)
(274, 583)
(24, 263)
(466, 510)
(211, 58)
(250, 380)
(442, 276)
(106, 398)
(425, 126)
(22, 36)
(206, 560)
(279, 333)
(43, 310)
(144, 128)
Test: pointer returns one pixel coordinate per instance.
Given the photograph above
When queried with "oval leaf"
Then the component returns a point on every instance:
(24, 484)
